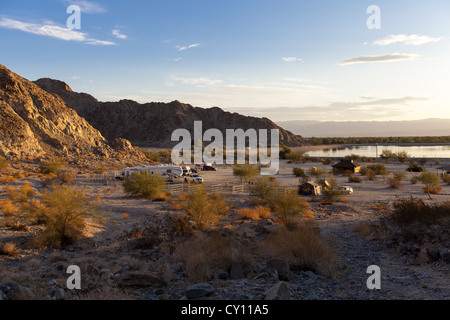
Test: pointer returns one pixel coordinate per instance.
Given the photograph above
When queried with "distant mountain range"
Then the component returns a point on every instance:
(426, 127)
(151, 124)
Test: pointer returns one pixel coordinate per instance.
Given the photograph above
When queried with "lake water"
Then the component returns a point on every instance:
(424, 151)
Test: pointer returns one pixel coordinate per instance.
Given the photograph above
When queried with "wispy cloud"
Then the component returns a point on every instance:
(118, 34)
(412, 39)
(87, 6)
(381, 58)
(291, 59)
(194, 81)
(50, 30)
(180, 48)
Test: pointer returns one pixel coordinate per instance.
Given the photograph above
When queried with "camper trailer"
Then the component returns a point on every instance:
(167, 172)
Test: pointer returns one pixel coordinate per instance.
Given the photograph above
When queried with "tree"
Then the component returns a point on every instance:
(430, 180)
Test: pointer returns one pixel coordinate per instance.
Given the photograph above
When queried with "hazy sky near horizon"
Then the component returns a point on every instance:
(285, 60)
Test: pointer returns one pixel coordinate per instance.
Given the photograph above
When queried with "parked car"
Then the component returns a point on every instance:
(196, 178)
(209, 168)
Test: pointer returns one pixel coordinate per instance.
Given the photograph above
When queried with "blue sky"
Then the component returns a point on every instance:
(285, 59)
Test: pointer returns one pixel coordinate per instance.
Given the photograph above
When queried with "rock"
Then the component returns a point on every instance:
(237, 272)
(280, 291)
(58, 294)
(280, 266)
(11, 289)
(138, 279)
(3, 296)
(223, 275)
(312, 277)
(428, 253)
(199, 290)
(446, 257)
(26, 293)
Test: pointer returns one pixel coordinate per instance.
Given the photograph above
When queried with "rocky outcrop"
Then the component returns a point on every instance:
(35, 123)
(152, 124)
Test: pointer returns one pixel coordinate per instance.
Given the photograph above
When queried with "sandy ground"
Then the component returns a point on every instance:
(403, 278)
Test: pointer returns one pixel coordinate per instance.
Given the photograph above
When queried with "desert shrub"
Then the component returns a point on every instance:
(3, 163)
(410, 211)
(207, 253)
(6, 179)
(265, 187)
(414, 180)
(363, 171)
(386, 155)
(8, 207)
(446, 178)
(52, 166)
(364, 229)
(179, 225)
(432, 190)
(331, 192)
(257, 213)
(204, 208)
(414, 167)
(317, 173)
(402, 156)
(287, 206)
(379, 169)
(245, 171)
(66, 212)
(18, 175)
(297, 157)
(299, 172)
(354, 179)
(431, 181)
(66, 175)
(143, 185)
(395, 179)
(303, 248)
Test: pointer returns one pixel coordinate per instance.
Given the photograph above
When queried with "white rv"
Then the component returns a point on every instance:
(167, 172)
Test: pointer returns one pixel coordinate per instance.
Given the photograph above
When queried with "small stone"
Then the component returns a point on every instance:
(223, 275)
(428, 253)
(237, 272)
(280, 291)
(199, 290)
(58, 294)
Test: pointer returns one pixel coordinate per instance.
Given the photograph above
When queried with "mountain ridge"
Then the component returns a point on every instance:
(151, 124)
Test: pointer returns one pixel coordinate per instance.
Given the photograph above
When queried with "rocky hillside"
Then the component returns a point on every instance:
(35, 123)
(152, 124)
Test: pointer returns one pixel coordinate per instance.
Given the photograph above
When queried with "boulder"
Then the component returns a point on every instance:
(199, 290)
(138, 279)
(280, 266)
(237, 272)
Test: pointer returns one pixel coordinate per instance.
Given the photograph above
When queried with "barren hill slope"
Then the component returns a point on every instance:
(152, 124)
(35, 123)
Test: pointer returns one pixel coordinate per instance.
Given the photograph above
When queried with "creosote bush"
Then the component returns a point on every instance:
(302, 246)
(144, 185)
(288, 206)
(204, 208)
(52, 166)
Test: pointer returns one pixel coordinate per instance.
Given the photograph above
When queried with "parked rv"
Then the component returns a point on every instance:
(167, 172)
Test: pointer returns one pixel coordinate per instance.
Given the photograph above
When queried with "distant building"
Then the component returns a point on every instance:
(346, 166)
(309, 188)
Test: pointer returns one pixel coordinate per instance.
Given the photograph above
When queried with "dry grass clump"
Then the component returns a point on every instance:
(303, 247)
(257, 213)
(207, 253)
(8, 249)
(414, 220)
(364, 229)
(66, 175)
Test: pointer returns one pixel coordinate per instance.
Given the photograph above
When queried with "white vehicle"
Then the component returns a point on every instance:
(196, 178)
(346, 190)
(168, 172)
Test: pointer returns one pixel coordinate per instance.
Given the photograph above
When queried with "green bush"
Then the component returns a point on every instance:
(288, 205)
(265, 187)
(144, 185)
